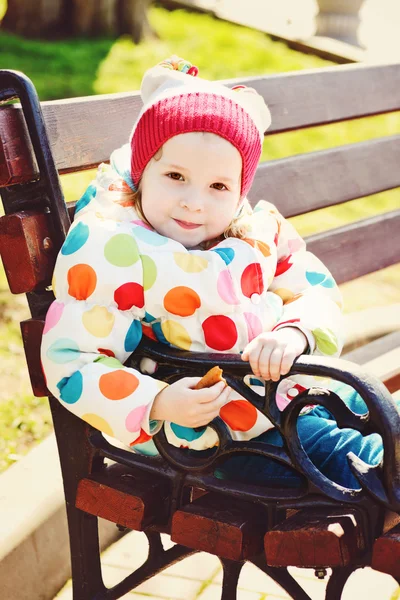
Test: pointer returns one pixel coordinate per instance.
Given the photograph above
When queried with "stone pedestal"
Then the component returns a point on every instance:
(339, 19)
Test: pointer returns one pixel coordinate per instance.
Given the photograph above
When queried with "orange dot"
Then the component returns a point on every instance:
(143, 437)
(261, 246)
(82, 281)
(240, 415)
(293, 299)
(182, 301)
(118, 384)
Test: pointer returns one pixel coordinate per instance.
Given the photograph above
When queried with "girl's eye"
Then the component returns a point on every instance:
(175, 176)
(219, 186)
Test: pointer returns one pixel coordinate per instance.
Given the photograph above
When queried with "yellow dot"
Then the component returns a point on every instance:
(176, 334)
(284, 294)
(190, 263)
(53, 284)
(98, 423)
(98, 321)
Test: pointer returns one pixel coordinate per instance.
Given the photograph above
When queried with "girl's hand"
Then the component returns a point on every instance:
(187, 407)
(272, 354)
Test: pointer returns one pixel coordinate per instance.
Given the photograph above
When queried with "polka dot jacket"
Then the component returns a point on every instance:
(116, 279)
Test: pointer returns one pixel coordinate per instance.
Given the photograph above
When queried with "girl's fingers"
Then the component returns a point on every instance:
(254, 360)
(275, 361)
(287, 361)
(207, 395)
(264, 362)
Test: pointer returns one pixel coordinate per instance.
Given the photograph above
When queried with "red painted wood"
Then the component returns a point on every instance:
(27, 251)
(221, 526)
(386, 553)
(32, 331)
(314, 538)
(16, 160)
(130, 498)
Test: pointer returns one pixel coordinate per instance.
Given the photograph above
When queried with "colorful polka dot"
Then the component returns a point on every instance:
(182, 301)
(285, 294)
(82, 281)
(53, 316)
(128, 295)
(240, 415)
(120, 186)
(190, 263)
(98, 321)
(142, 224)
(226, 289)
(283, 265)
(293, 298)
(295, 245)
(176, 334)
(98, 423)
(76, 238)
(254, 325)
(227, 254)
(328, 283)
(63, 351)
(186, 433)
(148, 332)
(158, 332)
(118, 385)
(89, 194)
(109, 361)
(220, 332)
(326, 341)
(135, 418)
(106, 351)
(133, 336)
(150, 237)
(315, 278)
(53, 284)
(149, 272)
(143, 437)
(71, 388)
(261, 246)
(121, 250)
(252, 280)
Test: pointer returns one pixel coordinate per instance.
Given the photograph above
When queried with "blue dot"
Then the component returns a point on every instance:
(148, 318)
(315, 278)
(186, 433)
(63, 351)
(133, 336)
(227, 254)
(71, 388)
(89, 194)
(156, 327)
(149, 237)
(76, 238)
(328, 282)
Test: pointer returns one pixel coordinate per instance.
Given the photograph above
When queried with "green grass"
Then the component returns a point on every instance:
(79, 67)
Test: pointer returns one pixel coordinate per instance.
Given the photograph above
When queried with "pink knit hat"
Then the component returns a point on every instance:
(176, 101)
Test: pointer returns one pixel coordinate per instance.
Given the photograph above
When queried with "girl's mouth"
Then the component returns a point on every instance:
(186, 224)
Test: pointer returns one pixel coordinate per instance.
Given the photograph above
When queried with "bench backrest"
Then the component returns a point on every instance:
(84, 131)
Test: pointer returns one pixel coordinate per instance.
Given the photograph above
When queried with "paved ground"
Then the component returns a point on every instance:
(199, 578)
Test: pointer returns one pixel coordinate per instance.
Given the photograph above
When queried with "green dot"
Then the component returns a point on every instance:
(149, 272)
(110, 361)
(121, 250)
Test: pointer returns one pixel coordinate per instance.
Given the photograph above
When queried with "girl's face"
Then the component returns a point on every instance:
(192, 192)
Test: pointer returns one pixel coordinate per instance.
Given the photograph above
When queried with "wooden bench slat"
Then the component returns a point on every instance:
(386, 553)
(359, 248)
(220, 525)
(319, 179)
(130, 498)
(315, 538)
(296, 100)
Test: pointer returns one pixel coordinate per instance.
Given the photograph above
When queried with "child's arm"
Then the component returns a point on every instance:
(311, 319)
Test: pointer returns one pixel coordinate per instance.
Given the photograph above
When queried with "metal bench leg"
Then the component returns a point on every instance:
(230, 579)
(87, 580)
(337, 581)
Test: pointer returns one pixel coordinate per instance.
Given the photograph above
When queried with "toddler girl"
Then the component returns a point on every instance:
(165, 244)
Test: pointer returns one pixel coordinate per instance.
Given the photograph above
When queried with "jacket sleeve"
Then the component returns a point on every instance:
(311, 299)
(94, 325)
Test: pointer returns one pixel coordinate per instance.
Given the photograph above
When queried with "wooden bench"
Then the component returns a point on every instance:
(315, 525)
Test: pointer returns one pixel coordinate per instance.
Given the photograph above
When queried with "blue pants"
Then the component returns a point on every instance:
(325, 444)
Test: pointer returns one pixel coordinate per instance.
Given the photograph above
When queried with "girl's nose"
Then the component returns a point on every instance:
(193, 202)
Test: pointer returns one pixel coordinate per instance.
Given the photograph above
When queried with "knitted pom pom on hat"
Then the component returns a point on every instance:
(176, 101)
